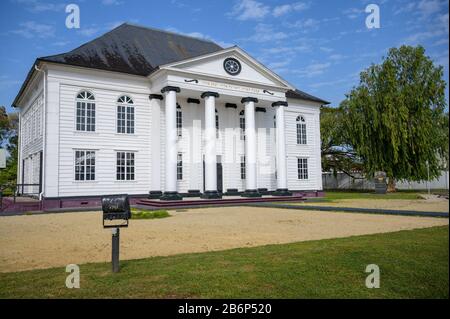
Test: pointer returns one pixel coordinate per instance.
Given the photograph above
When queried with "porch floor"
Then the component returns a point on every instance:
(229, 200)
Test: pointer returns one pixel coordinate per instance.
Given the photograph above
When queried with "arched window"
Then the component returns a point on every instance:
(217, 124)
(179, 121)
(125, 115)
(242, 124)
(301, 130)
(85, 112)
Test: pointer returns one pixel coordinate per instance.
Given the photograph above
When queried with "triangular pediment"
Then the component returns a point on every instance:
(213, 65)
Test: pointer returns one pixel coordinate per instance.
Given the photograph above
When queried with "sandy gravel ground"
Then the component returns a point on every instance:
(434, 205)
(43, 241)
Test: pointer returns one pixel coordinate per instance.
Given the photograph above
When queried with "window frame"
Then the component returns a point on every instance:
(302, 168)
(242, 125)
(301, 131)
(126, 123)
(179, 166)
(179, 121)
(85, 112)
(85, 166)
(242, 167)
(128, 173)
(217, 125)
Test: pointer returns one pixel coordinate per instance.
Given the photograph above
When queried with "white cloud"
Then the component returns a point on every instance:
(306, 24)
(60, 43)
(31, 29)
(429, 7)
(313, 70)
(353, 13)
(278, 11)
(337, 57)
(39, 6)
(201, 36)
(249, 10)
(111, 2)
(265, 33)
(89, 31)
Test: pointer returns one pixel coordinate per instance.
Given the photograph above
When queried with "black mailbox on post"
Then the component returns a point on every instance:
(116, 211)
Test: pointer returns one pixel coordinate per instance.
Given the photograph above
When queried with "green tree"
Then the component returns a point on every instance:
(395, 117)
(8, 140)
(337, 152)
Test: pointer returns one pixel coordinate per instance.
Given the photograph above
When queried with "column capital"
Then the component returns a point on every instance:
(279, 103)
(249, 99)
(156, 97)
(194, 101)
(206, 94)
(231, 106)
(170, 88)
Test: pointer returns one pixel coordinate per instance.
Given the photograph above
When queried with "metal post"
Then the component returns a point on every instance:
(115, 249)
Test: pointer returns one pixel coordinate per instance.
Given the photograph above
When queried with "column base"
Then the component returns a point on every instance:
(171, 196)
(193, 193)
(251, 193)
(211, 195)
(232, 192)
(154, 194)
(282, 192)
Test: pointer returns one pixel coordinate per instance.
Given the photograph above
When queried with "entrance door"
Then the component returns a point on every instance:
(219, 178)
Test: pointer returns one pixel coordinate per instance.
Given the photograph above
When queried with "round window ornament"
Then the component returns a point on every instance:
(232, 66)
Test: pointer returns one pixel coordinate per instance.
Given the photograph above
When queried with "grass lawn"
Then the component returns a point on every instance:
(137, 213)
(413, 264)
(333, 196)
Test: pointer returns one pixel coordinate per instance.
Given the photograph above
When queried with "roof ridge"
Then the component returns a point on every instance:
(169, 32)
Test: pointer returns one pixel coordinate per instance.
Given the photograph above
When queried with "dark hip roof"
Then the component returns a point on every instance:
(135, 50)
(297, 94)
(138, 50)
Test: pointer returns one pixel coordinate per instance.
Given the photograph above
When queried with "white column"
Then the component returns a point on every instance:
(250, 148)
(170, 191)
(210, 145)
(282, 188)
(155, 146)
(195, 147)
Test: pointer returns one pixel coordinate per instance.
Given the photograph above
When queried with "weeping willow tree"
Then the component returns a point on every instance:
(395, 117)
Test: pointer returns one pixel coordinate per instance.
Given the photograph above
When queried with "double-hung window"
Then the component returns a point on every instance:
(85, 117)
(84, 165)
(242, 167)
(242, 124)
(302, 168)
(179, 121)
(179, 166)
(301, 130)
(125, 115)
(125, 170)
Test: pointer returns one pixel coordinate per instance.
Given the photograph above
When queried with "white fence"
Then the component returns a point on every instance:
(343, 181)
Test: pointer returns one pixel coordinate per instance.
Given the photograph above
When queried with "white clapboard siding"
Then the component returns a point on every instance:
(105, 140)
(311, 150)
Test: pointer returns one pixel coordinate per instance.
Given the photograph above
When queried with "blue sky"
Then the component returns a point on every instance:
(319, 46)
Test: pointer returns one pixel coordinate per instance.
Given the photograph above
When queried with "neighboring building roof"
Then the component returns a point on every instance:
(138, 50)
(297, 94)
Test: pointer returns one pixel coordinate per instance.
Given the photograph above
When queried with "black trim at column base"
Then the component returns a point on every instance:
(193, 193)
(154, 194)
(211, 195)
(251, 193)
(282, 192)
(171, 196)
(232, 192)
